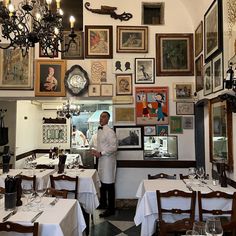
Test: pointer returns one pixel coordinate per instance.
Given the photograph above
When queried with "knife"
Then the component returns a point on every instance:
(5, 218)
(37, 216)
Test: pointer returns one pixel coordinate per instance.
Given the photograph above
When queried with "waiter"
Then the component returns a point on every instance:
(106, 154)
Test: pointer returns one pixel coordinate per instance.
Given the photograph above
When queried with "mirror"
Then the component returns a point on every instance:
(160, 147)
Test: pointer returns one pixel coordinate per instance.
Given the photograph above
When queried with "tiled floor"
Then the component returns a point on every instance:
(120, 224)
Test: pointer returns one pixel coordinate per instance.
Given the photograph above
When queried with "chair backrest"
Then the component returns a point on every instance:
(161, 176)
(56, 193)
(60, 178)
(9, 226)
(43, 166)
(217, 211)
(32, 179)
(2, 190)
(187, 211)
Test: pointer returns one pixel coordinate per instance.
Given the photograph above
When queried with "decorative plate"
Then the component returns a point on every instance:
(76, 80)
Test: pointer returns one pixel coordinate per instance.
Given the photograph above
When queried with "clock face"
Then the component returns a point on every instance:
(76, 80)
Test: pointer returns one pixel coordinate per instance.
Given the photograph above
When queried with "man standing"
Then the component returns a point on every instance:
(106, 154)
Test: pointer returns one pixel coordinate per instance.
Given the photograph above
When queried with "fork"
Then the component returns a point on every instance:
(5, 218)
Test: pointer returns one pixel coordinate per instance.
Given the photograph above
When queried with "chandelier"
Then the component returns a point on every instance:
(68, 110)
(34, 22)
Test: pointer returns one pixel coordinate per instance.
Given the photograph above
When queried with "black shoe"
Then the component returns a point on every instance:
(101, 207)
(107, 213)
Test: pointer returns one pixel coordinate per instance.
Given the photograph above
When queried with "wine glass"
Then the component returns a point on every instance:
(27, 190)
(213, 227)
(199, 227)
(40, 194)
(200, 174)
(191, 173)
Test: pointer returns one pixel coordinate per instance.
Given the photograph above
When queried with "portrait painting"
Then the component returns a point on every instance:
(98, 72)
(174, 54)
(144, 71)
(162, 130)
(124, 115)
(217, 68)
(123, 65)
(152, 105)
(98, 42)
(183, 91)
(16, 71)
(50, 78)
(207, 78)
(176, 125)
(124, 84)
(199, 73)
(198, 39)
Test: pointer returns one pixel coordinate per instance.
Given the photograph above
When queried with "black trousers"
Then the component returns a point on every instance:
(107, 192)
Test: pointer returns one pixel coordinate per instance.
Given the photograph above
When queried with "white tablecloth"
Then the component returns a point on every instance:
(88, 189)
(54, 221)
(146, 211)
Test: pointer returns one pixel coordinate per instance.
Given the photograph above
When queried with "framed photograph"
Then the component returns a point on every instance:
(98, 71)
(217, 75)
(129, 137)
(152, 105)
(207, 78)
(188, 122)
(184, 108)
(124, 84)
(199, 73)
(144, 70)
(124, 115)
(132, 39)
(183, 91)
(198, 36)
(149, 130)
(94, 90)
(16, 71)
(123, 65)
(50, 78)
(213, 30)
(162, 130)
(98, 41)
(174, 54)
(76, 50)
(107, 90)
(51, 55)
(176, 126)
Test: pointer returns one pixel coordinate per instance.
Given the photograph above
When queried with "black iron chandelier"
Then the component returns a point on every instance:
(34, 22)
(68, 110)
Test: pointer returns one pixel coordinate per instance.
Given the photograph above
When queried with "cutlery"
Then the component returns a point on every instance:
(210, 188)
(54, 202)
(19, 173)
(5, 218)
(188, 186)
(42, 170)
(37, 216)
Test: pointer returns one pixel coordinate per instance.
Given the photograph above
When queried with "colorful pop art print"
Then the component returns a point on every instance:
(152, 105)
(162, 130)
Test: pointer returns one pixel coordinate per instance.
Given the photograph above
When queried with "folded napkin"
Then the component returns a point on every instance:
(24, 216)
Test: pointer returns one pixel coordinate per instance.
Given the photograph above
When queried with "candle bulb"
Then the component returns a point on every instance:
(11, 9)
(58, 3)
(49, 3)
(72, 21)
(6, 3)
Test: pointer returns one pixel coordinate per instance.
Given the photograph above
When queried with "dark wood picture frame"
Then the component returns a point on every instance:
(198, 36)
(217, 73)
(124, 84)
(199, 73)
(174, 55)
(207, 88)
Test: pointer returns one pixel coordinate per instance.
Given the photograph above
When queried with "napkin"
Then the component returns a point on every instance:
(24, 216)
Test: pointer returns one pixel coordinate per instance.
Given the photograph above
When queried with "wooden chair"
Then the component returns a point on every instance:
(9, 226)
(187, 212)
(227, 216)
(54, 179)
(26, 179)
(56, 193)
(161, 176)
(2, 190)
(43, 166)
(230, 228)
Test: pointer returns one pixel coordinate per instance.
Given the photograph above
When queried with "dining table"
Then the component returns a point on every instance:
(52, 219)
(147, 212)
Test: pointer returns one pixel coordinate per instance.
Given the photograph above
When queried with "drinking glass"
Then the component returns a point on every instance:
(38, 199)
(200, 173)
(191, 173)
(199, 227)
(213, 227)
(27, 190)
(191, 232)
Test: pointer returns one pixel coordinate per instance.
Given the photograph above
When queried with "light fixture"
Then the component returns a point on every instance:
(34, 22)
(68, 110)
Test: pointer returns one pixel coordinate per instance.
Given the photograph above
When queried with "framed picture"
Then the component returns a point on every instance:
(54, 133)
(76, 50)
(98, 71)
(16, 71)
(51, 55)
(123, 65)
(124, 84)
(217, 75)
(144, 70)
(188, 122)
(184, 108)
(213, 30)
(174, 54)
(129, 137)
(50, 78)
(207, 78)
(183, 91)
(152, 105)
(132, 39)
(98, 41)
(124, 115)
(94, 90)
(162, 130)
(176, 126)
(199, 73)
(107, 90)
(149, 130)
(198, 36)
